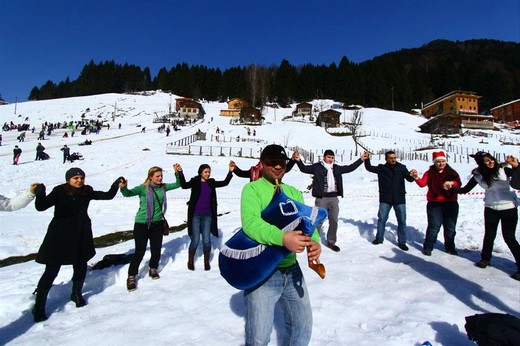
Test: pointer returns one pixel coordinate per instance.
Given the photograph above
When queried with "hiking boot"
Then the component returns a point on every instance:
(153, 273)
(403, 246)
(131, 284)
(482, 264)
(333, 247)
(377, 242)
(427, 252)
(516, 276)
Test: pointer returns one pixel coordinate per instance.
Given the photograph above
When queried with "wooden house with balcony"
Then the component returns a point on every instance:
(302, 110)
(251, 116)
(454, 112)
(328, 118)
(507, 113)
(234, 107)
(188, 108)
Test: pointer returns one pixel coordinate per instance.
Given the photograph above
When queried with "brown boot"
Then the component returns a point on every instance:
(191, 255)
(207, 253)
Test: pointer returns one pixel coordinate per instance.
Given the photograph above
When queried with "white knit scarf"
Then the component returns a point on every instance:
(331, 182)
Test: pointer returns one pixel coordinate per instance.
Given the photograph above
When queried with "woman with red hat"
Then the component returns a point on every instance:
(442, 208)
(500, 205)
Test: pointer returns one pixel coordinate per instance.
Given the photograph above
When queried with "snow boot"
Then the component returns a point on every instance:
(38, 310)
(76, 295)
(191, 256)
(207, 253)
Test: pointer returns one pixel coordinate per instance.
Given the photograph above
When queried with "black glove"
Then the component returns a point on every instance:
(118, 180)
(39, 191)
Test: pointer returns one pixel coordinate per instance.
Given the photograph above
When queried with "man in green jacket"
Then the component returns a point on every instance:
(287, 283)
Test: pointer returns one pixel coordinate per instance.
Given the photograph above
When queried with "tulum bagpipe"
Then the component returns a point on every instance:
(244, 263)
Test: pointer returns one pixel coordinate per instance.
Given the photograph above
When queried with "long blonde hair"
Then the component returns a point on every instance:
(151, 172)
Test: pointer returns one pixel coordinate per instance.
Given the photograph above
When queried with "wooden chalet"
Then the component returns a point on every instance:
(455, 124)
(328, 118)
(188, 108)
(234, 107)
(251, 116)
(454, 112)
(508, 112)
(303, 109)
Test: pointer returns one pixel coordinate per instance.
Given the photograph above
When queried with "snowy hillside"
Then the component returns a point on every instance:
(371, 295)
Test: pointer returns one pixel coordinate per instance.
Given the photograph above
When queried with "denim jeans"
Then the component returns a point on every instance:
(287, 287)
(400, 214)
(443, 214)
(201, 225)
(509, 220)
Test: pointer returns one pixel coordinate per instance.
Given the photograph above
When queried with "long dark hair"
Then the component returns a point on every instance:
(488, 174)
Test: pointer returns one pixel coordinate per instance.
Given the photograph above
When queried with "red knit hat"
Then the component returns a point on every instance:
(438, 155)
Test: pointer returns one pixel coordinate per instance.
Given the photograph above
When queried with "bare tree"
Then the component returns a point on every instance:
(287, 138)
(356, 121)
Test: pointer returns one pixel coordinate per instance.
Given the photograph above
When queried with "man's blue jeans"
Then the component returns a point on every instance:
(287, 287)
(201, 225)
(443, 214)
(400, 214)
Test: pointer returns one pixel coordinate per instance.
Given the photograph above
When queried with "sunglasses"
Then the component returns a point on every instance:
(275, 162)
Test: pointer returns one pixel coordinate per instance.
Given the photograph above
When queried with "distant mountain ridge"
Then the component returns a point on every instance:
(399, 80)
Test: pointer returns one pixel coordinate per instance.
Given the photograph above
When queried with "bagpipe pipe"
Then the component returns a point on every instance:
(245, 264)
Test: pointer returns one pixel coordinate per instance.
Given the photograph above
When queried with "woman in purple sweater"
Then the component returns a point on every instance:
(202, 209)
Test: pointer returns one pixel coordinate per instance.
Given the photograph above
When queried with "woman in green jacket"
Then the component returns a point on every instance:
(148, 221)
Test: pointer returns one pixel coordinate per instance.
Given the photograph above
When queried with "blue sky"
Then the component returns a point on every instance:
(52, 40)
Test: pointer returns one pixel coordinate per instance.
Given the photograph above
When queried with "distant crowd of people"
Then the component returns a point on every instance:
(69, 238)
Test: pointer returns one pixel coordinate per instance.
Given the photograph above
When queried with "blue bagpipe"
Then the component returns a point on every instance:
(245, 264)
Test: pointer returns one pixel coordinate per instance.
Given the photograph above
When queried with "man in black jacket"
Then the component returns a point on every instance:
(391, 177)
(515, 178)
(327, 185)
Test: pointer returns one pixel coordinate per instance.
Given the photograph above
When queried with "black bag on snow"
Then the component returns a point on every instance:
(493, 329)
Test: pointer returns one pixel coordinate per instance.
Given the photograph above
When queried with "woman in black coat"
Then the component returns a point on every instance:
(69, 238)
(202, 209)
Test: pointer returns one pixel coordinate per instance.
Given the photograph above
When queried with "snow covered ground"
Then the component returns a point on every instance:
(372, 295)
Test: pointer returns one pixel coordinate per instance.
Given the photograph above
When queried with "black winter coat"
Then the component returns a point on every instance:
(515, 178)
(194, 184)
(69, 237)
(391, 181)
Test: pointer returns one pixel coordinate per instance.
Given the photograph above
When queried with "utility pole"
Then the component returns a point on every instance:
(15, 104)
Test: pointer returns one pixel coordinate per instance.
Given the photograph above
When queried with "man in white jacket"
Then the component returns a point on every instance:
(18, 202)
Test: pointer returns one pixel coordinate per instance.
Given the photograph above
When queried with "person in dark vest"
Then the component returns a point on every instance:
(327, 186)
(69, 239)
